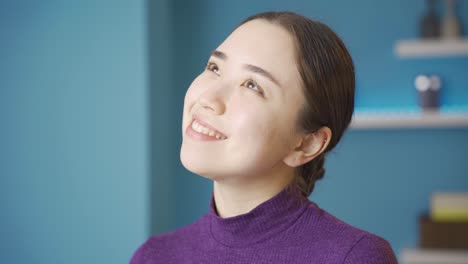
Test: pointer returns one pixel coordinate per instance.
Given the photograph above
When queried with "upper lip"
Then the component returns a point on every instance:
(205, 124)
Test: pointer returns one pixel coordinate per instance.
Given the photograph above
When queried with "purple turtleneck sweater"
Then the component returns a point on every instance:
(283, 229)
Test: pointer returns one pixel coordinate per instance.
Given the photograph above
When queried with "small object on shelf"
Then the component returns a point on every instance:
(442, 234)
(428, 88)
(451, 27)
(430, 25)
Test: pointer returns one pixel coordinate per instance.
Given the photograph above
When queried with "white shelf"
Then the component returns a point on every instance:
(433, 256)
(431, 48)
(398, 120)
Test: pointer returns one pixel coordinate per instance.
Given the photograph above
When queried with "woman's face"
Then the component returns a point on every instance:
(250, 95)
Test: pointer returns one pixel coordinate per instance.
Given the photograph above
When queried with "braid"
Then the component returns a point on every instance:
(309, 173)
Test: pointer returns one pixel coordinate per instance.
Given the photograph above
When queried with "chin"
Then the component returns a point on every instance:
(218, 167)
(196, 164)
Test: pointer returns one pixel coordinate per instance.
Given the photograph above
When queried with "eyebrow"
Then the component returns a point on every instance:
(255, 69)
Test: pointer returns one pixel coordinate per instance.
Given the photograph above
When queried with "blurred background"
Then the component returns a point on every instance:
(91, 97)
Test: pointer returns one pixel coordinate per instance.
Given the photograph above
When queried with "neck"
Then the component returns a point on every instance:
(234, 199)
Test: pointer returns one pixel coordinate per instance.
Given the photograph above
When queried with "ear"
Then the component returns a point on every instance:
(309, 147)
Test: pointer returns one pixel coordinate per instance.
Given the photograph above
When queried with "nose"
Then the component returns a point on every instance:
(213, 100)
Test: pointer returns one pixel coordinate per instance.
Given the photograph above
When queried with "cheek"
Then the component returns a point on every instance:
(262, 133)
(259, 120)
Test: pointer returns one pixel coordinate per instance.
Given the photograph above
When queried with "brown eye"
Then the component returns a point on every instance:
(253, 86)
(212, 67)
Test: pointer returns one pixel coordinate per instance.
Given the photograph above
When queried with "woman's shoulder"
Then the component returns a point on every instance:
(372, 249)
(356, 244)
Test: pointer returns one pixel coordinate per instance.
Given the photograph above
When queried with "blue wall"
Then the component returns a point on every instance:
(73, 137)
(78, 144)
(164, 124)
(376, 180)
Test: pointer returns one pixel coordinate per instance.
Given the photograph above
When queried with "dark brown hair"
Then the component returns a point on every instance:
(327, 72)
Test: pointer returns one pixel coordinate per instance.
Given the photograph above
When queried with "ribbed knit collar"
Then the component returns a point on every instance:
(261, 223)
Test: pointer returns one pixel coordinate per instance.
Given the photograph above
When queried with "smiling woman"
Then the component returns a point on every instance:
(274, 98)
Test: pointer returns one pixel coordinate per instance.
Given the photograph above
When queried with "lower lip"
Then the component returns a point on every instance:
(199, 136)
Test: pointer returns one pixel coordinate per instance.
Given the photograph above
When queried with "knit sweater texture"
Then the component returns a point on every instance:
(284, 229)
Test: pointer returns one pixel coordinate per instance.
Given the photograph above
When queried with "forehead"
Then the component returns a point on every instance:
(265, 45)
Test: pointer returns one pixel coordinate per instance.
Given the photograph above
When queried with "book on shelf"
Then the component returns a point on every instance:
(446, 206)
(433, 256)
(442, 234)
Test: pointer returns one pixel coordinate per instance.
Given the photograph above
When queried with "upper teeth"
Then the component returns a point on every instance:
(204, 130)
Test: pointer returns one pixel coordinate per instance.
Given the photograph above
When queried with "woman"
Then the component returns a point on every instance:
(274, 98)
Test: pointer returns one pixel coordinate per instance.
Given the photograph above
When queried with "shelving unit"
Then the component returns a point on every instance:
(410, 119)
(431, 48)
(418, 48)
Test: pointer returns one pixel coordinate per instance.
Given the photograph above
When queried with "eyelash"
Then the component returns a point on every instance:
(211, 65)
